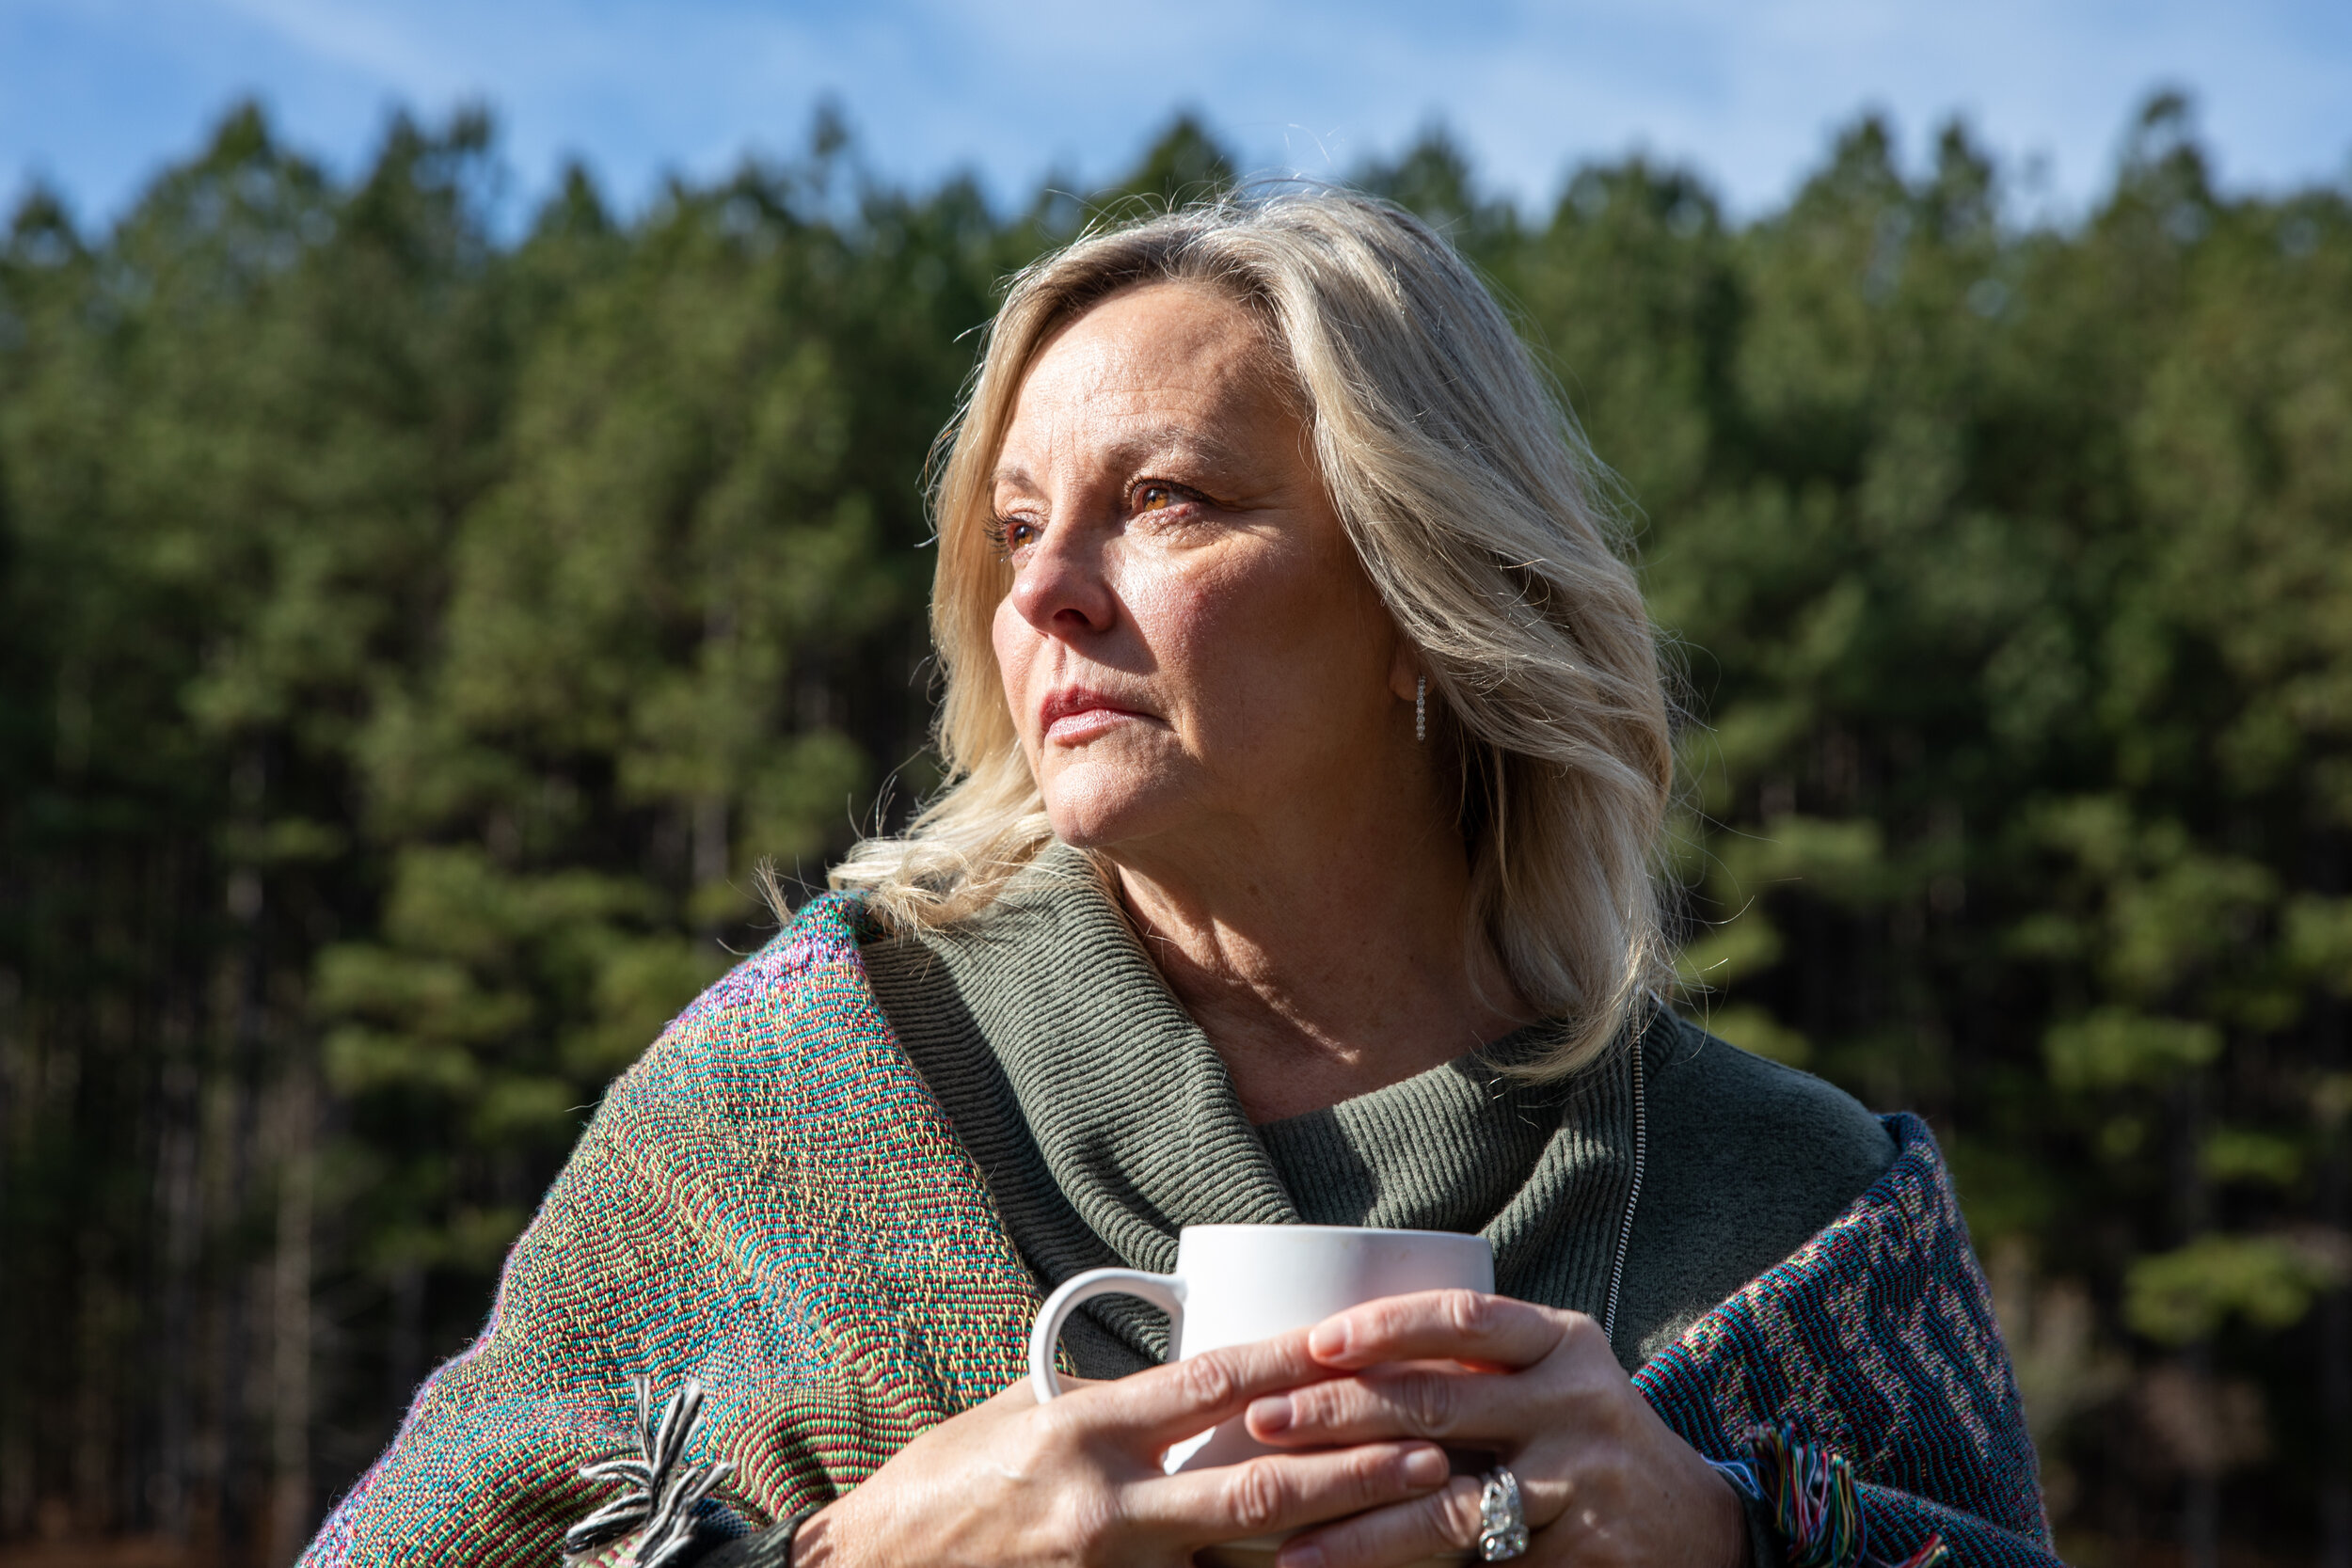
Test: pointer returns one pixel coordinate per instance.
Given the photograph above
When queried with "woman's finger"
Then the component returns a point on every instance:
(1164, 1405)
(1457, 1325)
(1442, 1523)
(1436, 1399)
(1274, 1492)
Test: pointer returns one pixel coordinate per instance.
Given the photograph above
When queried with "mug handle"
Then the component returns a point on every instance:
(1163, 1291)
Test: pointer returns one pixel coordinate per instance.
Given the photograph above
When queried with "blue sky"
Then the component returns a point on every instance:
(96, 94)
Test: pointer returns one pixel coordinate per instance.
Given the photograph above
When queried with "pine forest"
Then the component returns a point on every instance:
(420, 619)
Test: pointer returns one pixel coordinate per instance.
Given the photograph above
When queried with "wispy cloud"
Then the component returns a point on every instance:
(97, 91)
(387, 46)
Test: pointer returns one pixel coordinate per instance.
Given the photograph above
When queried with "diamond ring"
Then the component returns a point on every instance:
(1502, 1521)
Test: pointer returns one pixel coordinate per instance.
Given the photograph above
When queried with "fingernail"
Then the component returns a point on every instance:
(1271, 1414)
(1328, 1340)
(1426, 1466)
(1300, 1554)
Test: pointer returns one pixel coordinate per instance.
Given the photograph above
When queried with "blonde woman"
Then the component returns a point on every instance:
(1307, 758)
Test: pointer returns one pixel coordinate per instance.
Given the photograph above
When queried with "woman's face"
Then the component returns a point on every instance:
(1189, 641)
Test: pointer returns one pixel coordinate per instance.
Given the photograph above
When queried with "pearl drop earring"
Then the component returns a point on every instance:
(1421, 708)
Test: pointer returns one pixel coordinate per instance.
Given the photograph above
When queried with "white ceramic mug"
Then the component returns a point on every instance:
(1236, 1283)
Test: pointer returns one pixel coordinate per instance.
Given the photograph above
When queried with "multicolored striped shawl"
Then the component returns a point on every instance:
(772, 1202)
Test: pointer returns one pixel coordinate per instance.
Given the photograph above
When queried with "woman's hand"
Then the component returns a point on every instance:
(1078, 1481)
(1604, 1482)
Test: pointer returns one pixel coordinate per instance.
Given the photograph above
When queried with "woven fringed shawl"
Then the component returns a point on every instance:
(772, 1203)
(1863, 1382)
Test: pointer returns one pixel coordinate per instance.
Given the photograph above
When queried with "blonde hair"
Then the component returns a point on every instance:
(1472, 502)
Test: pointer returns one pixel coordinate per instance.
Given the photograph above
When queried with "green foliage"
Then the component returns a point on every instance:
(2114, 1047)
(414, 642)
(2237, 1154)
(2186, 1294)
(1186, 163)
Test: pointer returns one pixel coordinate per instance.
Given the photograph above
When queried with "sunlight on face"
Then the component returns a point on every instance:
(1189, 642)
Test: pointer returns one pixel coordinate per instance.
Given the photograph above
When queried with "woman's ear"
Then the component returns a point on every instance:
(1406, 672)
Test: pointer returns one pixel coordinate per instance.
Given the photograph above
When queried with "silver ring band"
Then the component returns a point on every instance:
(1502, 1517)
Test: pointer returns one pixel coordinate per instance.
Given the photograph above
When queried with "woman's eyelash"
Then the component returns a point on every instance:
(1175, 493)
(1000, 528)
(999, 533)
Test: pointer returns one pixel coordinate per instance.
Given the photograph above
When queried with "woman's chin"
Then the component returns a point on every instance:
(1091, 830)
(1101, 815)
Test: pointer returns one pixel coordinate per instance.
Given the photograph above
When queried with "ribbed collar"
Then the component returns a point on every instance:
(1131, 1116)
(1542, 1172)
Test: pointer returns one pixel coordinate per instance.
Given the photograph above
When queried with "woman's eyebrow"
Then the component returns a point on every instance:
(1177, 442)
(1140, 447)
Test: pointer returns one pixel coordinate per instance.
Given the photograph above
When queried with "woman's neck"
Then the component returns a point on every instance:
(1321, 964)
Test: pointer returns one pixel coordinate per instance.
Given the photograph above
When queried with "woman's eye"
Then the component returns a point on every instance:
(1155, 496)
(1011, 535)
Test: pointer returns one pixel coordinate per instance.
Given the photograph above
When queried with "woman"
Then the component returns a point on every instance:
(1308, 754)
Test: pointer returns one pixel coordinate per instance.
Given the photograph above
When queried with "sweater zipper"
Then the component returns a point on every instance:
(1625, 1230)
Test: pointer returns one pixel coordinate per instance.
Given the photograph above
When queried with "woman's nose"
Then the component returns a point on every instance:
(1063, 588)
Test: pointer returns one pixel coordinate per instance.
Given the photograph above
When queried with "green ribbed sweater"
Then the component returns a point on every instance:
(1104, 1121)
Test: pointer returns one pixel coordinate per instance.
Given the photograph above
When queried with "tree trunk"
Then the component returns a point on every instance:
(290, 1319)
(2335, 1320)
(2200, 1500)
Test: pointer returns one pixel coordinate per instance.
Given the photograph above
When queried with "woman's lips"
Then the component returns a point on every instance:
(1074, 717)
(1074, 728)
